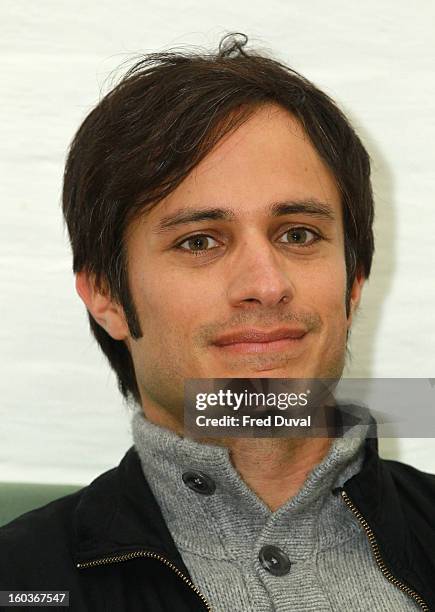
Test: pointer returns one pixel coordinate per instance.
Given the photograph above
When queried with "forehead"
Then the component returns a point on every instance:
(268, 159)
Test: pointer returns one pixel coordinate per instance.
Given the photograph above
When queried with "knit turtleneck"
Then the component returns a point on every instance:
(219, 536)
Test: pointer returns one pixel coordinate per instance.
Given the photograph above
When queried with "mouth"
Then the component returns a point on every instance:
(254, 341)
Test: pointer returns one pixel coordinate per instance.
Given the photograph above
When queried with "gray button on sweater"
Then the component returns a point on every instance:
(220, 535)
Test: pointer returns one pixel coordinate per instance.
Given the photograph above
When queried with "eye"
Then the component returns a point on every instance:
(197, 244)
(301, 236)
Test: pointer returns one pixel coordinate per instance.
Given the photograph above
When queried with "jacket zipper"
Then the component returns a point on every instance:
(144, 553)
(375, 548)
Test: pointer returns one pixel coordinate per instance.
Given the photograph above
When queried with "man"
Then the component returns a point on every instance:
(220, 215)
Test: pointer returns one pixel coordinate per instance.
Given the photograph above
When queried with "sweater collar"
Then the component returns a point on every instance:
(229, 522)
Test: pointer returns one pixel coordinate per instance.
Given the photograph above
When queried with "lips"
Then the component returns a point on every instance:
(256, 335)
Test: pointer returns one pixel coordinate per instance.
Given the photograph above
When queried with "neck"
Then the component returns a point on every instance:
(274, 468)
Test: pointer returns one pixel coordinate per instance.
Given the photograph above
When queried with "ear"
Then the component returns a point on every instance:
(103, 309)
(355, 294)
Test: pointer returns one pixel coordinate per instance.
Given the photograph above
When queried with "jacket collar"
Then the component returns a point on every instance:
(375, 495)
(117, 513)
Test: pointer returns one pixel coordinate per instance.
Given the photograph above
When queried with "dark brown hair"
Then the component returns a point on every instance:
(146, 135)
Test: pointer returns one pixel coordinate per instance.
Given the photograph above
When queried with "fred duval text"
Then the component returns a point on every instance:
(247, 421)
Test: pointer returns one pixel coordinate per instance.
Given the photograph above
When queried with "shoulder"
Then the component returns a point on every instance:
(384, 487)
(38, 544)
(56, 517)
(407, 477)
(49, 518)
(415, 489)
(41, 542)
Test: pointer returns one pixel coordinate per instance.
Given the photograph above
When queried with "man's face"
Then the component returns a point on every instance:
(254, 271)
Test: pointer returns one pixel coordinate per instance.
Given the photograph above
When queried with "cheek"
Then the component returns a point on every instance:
(170, 305)
(325, 290)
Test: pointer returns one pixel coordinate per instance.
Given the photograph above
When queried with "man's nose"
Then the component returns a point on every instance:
(259, 273)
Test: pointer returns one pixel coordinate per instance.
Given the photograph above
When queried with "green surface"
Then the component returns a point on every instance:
(19, 497)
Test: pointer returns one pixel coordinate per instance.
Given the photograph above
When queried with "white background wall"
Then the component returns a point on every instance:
(62, 418)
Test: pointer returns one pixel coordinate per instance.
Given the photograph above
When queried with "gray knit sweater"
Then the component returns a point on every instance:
(219, 536)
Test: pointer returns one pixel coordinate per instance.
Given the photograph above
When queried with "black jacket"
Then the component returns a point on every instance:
(108, 545)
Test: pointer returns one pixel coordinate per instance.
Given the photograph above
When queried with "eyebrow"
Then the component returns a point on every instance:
(312, 207)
